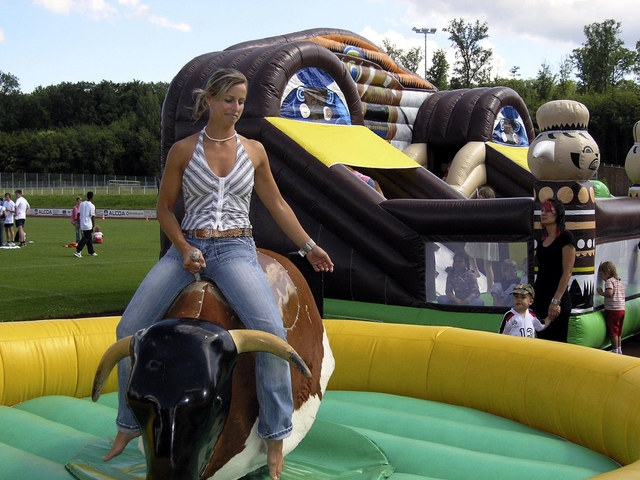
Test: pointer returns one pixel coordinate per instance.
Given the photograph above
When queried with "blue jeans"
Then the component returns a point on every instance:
(232, 264)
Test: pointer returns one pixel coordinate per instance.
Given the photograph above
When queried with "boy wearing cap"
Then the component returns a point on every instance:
(520, 321)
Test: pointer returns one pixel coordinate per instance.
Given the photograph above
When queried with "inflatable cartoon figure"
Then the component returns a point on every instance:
(509, 128)
(312, 95)
(563, 157)
(632, 163)
(563, 150)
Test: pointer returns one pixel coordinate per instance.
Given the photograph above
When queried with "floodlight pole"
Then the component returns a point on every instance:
(425, 32)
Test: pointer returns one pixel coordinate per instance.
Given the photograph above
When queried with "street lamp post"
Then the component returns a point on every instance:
(425, 32)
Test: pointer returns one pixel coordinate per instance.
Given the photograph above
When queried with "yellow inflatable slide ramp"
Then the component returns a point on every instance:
(353, 145)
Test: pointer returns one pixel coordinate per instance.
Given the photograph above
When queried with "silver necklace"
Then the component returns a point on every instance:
(218, 139)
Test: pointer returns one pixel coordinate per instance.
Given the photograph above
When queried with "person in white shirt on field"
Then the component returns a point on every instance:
(21, 209)
(87, 224)
(9, 210)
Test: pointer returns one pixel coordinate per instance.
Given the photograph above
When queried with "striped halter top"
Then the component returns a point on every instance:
(211, 201)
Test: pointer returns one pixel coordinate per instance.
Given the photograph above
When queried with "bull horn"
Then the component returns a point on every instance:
(110, 359)
(257, 341)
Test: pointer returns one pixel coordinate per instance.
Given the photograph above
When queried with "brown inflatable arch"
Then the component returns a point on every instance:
(448, 120)
(268, 69)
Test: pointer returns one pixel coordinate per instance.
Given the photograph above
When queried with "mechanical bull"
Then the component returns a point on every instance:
(194, 396)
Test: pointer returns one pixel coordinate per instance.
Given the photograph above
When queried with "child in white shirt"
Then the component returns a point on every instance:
(520, 321)
(97, 235)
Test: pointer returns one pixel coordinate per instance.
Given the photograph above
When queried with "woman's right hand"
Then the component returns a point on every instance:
(193, 260)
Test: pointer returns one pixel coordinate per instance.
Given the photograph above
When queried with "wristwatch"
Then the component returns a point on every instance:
(306, 248)
(555, 301)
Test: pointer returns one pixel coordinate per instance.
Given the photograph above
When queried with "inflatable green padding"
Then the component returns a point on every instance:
(18, 464)
(363, 435)
(445, 441)
(348, 310)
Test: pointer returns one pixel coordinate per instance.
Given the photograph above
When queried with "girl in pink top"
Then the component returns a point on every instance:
(614, 305)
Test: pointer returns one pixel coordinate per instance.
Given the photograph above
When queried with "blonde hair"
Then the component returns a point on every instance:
(609, 270)
(486, 192)
(218, 85)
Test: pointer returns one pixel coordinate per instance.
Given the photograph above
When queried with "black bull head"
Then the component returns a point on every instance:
(180, 389)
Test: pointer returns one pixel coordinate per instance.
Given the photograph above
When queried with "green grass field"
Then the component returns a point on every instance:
(44, 279)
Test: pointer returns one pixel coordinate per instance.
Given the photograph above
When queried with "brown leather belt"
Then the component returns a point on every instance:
(204, 233)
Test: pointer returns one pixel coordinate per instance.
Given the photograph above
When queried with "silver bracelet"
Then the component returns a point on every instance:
(555, 301)
(306, 248)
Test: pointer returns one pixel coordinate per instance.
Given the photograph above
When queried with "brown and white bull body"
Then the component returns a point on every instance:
(238, 450)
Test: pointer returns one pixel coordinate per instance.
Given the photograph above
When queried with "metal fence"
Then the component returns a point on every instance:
(70, 183)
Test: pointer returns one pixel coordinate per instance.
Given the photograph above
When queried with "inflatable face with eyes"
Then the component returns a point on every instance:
(564, 149)
(632, 163)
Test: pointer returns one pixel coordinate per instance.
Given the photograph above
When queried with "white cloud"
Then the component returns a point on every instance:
(144, 11)
(1, 35)
(135, 7)
(103, 9)
(56, 6)
(537, 20)
(91, 8)
(163, 22)
(524, 34)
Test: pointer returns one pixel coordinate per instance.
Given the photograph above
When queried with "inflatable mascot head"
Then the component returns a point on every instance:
(632, 163)
(563, 150)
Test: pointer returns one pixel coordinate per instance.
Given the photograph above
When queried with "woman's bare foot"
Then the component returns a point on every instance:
(121, 441)
(275, 460)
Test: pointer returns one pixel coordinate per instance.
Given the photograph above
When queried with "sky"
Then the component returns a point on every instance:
(47, 42)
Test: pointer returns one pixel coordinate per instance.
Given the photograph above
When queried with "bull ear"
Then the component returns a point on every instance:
(257, 341)
(110, 359)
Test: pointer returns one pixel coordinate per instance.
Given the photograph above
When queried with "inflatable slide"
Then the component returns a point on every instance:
(328, 103)
(379, 258)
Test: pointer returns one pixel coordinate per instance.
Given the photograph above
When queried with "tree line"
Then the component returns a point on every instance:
(106, 128)
(114, 128)
(602, 74)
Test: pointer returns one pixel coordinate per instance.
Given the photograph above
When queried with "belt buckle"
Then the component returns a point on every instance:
(209, 233)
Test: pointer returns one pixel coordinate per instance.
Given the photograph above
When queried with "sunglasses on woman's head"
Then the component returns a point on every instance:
(548, 209)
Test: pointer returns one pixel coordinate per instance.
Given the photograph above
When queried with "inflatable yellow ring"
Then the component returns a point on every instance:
(590, 397)
(587, 396)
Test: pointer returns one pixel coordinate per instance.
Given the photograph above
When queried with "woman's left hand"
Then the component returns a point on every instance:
(553, 312)
(320, 260)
